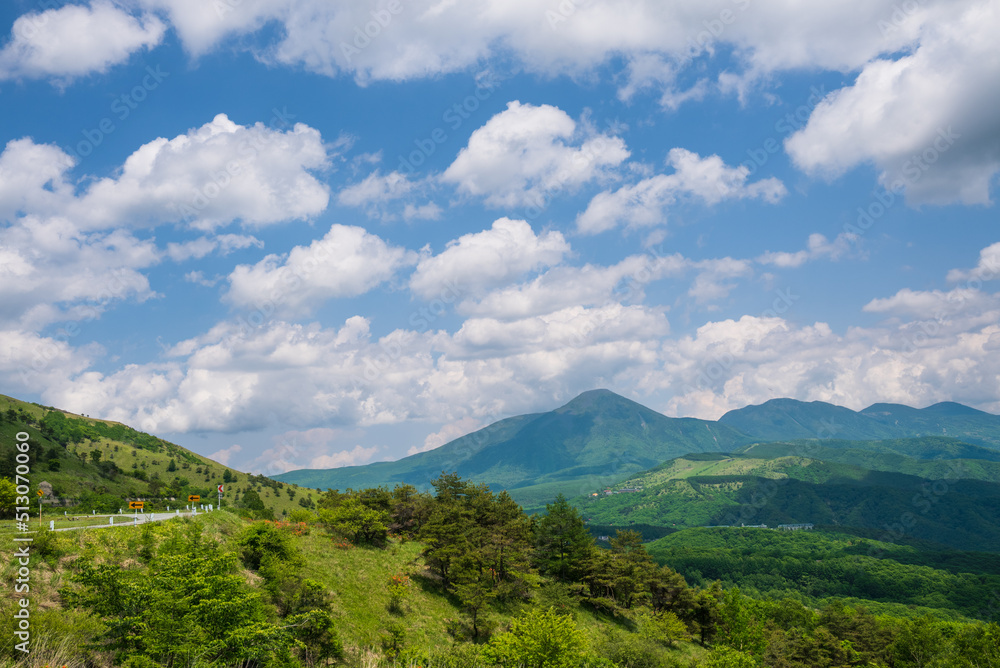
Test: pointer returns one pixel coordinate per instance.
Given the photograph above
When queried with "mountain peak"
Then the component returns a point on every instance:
(953, 408)
(597, 400)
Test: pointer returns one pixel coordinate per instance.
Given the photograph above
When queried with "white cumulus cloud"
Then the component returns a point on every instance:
(525, 154)
(346, 262)
(215, 174)
(646, 203)
(487, 259)
(817, 247)
(76, 40)
(923, 118)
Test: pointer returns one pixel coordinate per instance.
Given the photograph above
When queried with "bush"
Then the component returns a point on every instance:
(102, 503)
(301, 516)
(399, 589)
(727, 657)
(315, 630)
(631, 651)
(46, 544)
(358, 523)
(541, 639)
(264, 538)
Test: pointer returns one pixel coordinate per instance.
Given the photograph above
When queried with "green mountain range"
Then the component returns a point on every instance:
(787, 419)
(595, 438)
(600, 437)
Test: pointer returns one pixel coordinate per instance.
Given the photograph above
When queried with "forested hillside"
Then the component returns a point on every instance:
(815, 565)
(459, 578)
(96, 465)
(713, 489)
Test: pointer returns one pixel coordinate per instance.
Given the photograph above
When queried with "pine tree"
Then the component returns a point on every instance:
(562, 541)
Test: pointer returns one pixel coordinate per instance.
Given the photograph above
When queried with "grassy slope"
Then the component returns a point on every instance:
(77, 475)
(356, 578)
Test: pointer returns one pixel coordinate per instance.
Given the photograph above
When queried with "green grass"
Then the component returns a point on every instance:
(355, 577)
(358, 578)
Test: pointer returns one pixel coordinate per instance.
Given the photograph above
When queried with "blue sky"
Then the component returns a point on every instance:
(294, 233)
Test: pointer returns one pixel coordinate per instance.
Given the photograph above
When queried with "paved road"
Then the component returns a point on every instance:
(129, 520)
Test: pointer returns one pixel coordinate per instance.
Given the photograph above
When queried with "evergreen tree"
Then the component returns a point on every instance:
(410, 510)
(445, 540)
(475, 596)
(563, 544)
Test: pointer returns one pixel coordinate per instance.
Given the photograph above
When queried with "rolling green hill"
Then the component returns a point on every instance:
(789, 419)
(592, 439)
(729, 490)
(101, 464)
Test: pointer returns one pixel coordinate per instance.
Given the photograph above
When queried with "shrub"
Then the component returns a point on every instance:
(264, 538)
(46, 544)
(399, 589)
(541, 639)
(301, 516)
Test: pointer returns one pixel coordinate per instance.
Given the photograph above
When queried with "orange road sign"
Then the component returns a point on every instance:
(194, 498)
(135, 505)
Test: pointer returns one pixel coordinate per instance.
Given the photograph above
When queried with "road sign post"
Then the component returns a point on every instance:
(136, 506)
(220, 496)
